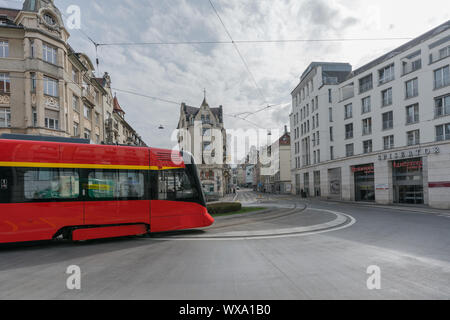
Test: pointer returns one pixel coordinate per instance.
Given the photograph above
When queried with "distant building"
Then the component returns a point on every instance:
(208, 145)
(380, 133)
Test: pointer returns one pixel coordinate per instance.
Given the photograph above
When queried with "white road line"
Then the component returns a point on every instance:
(274, 233)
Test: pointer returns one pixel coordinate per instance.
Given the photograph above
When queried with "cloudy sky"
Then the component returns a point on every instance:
(180, 73)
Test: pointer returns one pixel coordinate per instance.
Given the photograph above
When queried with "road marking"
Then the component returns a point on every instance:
(342, 221)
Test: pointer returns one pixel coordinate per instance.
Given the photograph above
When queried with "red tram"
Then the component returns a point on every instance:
(64, 190)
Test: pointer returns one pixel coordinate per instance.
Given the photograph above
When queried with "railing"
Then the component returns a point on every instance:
(365, 87)
(388, 124)
(347, 92)
(367, 130)
(385, 79)
(88, 96)
(411, 67)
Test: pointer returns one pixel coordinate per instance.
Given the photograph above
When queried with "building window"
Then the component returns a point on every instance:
(76, 103)
(75, 129)
(367, 126)
(386, 97)
(367, 146)
(388, 142)
(411, 67)
(5, 83)
(35, 118)
(349, 150)
(412, 114)
(412, 88)
(442, 106)
(348, 111)
(50, 86)
(49, 53)
(388, 120)
(443, 132)
(386, 74)
(87, 134)
(4, 49)
(331, 153)
(413, 137)
(365, 84)
(88, 112)
(331, 134)
(52, 123)
(75, 76)
(330, 114)
(206, 132)
(49, 19)
(206, 119)
(330, 100)
(349, 131)
(32, 48)
(33, 81)
(5, 118)
(366, 105)
(97, 118)
(444, 52)
(441, 77)
(207, 146)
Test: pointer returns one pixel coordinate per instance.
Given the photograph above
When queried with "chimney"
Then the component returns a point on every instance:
(285, 129)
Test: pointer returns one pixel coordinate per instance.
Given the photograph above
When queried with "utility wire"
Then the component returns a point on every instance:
(238, 51)
(199, 42)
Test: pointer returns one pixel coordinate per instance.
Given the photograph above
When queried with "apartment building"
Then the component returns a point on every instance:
(202, 133)
(275, 174)
(380, 133)
(46, 87)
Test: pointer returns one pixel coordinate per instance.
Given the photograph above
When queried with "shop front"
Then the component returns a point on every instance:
(408, 181)
(364, 176)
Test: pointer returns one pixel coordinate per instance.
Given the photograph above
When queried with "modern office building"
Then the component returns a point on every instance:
(380, 133)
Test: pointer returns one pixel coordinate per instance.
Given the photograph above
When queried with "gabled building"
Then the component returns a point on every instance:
(202, 133)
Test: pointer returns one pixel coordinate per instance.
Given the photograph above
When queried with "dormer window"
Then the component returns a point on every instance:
(49, 19)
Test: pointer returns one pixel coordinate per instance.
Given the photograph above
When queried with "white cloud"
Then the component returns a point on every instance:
(180, 73)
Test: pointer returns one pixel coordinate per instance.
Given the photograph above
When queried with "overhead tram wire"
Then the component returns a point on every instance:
(195, 42)
(236, 116)
(238, 51)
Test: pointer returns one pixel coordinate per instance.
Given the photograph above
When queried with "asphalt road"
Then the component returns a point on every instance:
(293, 250)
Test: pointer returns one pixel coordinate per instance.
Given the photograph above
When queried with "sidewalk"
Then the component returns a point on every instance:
(401, 207)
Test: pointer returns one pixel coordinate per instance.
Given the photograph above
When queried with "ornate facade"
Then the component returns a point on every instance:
(46, 87)
(202, 133)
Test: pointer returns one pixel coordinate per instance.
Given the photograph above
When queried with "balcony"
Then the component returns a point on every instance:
(347, 92)
(88, 97)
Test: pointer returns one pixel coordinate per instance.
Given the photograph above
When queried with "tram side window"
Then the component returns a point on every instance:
(45, 184)
(102, 184)
(116, 184)
(176, 185)
(131, 184)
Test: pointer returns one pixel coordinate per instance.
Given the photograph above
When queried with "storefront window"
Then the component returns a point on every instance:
(408, 181)
(364, 182)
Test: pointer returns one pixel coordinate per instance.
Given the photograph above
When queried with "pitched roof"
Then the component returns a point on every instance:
(7, 16)
(116, 105)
